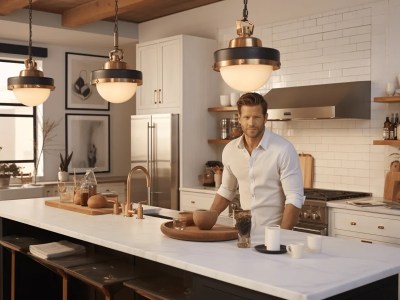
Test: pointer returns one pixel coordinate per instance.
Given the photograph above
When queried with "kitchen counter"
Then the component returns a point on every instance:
(373, 209)
(343, 265)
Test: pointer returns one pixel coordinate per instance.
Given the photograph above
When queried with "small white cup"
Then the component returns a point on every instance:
(224, 100)
(273, 237)
(314, 243)
(234, 98)
(390, 89)
(295, 250)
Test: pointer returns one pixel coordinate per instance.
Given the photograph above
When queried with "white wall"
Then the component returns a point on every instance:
(361, 40)
(54, 109)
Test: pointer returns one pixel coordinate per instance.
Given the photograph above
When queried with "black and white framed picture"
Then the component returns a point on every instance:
(79, 93)
(88, 136)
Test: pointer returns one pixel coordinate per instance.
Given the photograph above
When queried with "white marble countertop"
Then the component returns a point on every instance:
(342, 265)
(372, 209)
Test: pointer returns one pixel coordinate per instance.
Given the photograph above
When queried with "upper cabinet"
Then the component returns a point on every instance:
(161, 65)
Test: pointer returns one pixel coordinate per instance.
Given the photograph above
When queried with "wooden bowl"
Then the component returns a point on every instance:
(205, 219)
(188, 215)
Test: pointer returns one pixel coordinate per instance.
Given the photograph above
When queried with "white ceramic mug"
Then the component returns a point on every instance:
(314, 243)
(390, 89)
(224, 100)
(273, 237)
(234, 98)
(295, 250)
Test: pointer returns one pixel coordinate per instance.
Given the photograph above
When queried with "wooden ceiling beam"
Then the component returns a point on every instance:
(94, 11)
(9, 6)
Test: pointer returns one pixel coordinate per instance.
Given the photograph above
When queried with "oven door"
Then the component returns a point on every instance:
(319, 229)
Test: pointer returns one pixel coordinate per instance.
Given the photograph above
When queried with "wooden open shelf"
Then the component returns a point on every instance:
(387, 99)
(223, 109)
(387, 142)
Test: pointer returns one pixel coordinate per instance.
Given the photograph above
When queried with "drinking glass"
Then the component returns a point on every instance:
(243, 225)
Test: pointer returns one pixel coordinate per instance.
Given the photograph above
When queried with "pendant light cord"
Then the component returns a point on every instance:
(30, 31)
(245, 11)
(116, 26)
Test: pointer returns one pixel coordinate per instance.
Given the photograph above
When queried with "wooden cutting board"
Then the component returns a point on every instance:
(192, 233)
(77, 208)
(307, 169)
(392, 186)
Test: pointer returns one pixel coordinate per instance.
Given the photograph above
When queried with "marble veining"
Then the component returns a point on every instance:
(342, 264)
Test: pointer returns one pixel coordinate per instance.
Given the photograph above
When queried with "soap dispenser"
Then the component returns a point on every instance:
(139, 211)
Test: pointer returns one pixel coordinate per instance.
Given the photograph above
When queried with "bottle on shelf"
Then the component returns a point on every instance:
(391, 127)
(386, 126)
(396, 123)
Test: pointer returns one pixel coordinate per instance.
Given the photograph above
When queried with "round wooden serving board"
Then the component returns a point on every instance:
(192, 233)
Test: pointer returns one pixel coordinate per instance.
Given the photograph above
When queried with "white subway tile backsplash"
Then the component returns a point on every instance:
(350, 44)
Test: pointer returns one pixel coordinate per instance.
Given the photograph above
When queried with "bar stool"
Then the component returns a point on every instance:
(106, 276)
(160, 287)
(17, 244)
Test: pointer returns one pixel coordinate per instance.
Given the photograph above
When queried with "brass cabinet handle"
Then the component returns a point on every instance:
(364, 241)
(159, 96)
(353, 223)
(193, 202)
(381, 227)
(155, 97)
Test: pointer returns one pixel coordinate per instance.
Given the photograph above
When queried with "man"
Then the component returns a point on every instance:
(265, 166)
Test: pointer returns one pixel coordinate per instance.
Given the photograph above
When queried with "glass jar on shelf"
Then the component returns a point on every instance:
(224, 125)
(235, 128)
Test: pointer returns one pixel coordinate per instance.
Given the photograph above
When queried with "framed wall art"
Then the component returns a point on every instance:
(79, 93)
(88, 136)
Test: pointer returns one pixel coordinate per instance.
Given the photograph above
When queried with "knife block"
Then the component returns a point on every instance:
(392, 186)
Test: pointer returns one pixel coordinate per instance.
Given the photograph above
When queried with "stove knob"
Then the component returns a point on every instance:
(306, 214)
(315, 216)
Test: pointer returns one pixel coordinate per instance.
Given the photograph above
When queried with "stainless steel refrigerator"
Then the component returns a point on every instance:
(155, 146)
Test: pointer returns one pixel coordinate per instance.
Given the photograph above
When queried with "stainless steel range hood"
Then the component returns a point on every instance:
(348, 100)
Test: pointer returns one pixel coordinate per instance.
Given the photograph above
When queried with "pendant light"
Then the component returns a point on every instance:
(30, 87)
(115, 83)
(246, 65)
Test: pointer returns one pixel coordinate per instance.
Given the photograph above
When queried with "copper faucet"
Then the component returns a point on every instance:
(128, 212)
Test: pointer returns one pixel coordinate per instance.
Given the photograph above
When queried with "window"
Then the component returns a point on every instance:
(17, 122)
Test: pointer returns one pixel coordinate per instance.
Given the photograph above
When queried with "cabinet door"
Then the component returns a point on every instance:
(147, 61)
(170, 70)
(192, 201)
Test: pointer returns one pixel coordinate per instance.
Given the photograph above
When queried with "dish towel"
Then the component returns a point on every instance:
(56, 249)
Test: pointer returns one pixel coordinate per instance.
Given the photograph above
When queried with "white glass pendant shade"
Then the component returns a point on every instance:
(116, 92)
(246, 78)
(31, 96)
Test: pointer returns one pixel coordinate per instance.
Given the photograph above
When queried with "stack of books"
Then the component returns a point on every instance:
(56, 249)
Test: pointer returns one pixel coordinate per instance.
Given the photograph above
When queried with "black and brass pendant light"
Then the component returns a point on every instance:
(115, 83)
(30, 87)
(246, 65)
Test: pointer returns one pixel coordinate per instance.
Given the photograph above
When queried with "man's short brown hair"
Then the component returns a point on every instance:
(252, 99)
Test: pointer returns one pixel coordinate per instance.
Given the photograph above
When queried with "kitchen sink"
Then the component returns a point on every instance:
(157, 215)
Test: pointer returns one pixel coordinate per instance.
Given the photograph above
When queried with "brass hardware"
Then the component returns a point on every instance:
(381, 227)
(154, 97)
(128, 212)
(159, 96)
(364, 241)
(193, 202)
(353, 223)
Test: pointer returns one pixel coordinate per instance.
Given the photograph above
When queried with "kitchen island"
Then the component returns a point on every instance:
(343, 266)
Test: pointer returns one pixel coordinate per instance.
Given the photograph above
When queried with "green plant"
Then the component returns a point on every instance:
(9, 169)
(65, 162)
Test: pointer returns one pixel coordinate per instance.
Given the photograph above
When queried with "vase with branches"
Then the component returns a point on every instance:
(47, 128)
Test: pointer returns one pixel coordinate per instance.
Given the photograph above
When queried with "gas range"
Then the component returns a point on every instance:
(313, 216)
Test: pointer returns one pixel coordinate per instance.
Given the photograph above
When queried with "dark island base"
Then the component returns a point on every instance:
(34, 281)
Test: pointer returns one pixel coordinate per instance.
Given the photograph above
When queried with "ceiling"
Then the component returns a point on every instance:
(75, 13)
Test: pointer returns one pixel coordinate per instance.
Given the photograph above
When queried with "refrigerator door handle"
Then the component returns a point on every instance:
(150, 159)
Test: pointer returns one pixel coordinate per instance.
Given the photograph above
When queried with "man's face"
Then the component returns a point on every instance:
(252, 121)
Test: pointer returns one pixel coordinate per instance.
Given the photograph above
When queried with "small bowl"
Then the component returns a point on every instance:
(205, 219)
(188, 215)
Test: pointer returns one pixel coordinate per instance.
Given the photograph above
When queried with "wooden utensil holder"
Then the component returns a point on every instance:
(392, 186)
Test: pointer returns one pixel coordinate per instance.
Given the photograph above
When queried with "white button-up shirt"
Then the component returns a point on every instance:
(268, 179)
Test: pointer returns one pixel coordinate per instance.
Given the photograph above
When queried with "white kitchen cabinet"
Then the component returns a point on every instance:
(50, 190)
(364, 226)
(161, 65)
(189, 85)
(118, 187)
(191, 201)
